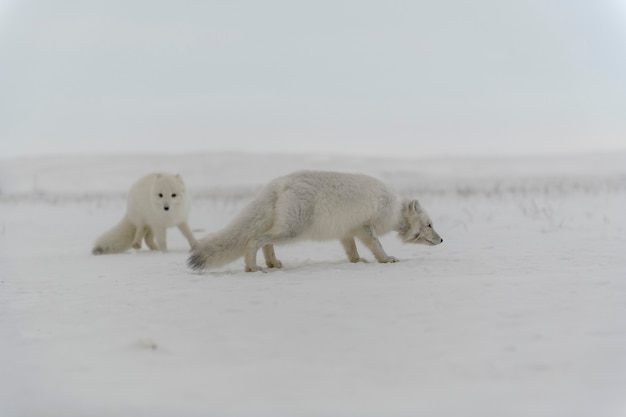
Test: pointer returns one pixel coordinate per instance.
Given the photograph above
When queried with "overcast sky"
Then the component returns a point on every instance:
(412, 78)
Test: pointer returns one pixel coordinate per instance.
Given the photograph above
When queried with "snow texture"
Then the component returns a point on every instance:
(521, 311)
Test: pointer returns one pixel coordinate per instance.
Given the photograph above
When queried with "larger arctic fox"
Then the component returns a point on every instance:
(154, 203)
(316, 205)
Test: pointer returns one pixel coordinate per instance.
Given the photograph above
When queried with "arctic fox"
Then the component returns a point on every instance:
(154, 203)
(316, 205)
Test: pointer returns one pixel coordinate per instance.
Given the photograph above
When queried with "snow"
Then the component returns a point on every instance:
(521, 311)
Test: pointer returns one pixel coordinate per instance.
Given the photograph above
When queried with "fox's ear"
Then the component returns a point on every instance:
(414, 205)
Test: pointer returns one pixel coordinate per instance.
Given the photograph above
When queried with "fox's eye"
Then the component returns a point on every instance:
(160, 195)
(430, 225)
(173, 195)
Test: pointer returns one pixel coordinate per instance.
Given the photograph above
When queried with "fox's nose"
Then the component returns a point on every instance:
(166, 208)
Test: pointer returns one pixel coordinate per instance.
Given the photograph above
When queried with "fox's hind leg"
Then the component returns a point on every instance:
(270, 257)
(369, 239)
(284, 229)
(267, 239)
(250, 256)
(350, 247)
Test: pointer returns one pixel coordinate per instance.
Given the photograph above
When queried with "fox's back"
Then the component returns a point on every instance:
(333, 204)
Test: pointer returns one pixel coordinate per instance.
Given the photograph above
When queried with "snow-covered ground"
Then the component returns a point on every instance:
(520, 312)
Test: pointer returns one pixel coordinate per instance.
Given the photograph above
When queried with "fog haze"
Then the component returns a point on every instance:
(359, 77)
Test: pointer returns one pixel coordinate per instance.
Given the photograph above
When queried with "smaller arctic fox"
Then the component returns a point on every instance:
(154, 203)
(316, 205)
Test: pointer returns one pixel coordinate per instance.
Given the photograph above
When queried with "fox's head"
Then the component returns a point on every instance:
(168, 191)
(415, 225)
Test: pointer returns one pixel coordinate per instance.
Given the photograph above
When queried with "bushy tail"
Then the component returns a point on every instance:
(216, 250)
(230, 243)
(118, 239)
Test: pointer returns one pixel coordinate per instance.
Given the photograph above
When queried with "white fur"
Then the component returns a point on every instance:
(154, 203)
(316, 205)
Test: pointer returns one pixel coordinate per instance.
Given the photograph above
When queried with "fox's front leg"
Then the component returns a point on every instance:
(149, 239)
(140, 232)
(369, 239)
(184, 229)
(160, 236)
(350, 247)
(270, 257)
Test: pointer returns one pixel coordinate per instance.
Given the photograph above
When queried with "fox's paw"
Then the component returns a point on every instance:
(356, 260)
(136, 245)
(254, 268)
(274, 264)
(389, 259)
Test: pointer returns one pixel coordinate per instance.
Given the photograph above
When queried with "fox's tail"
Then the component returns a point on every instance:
(230, 243)
(118, 239)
